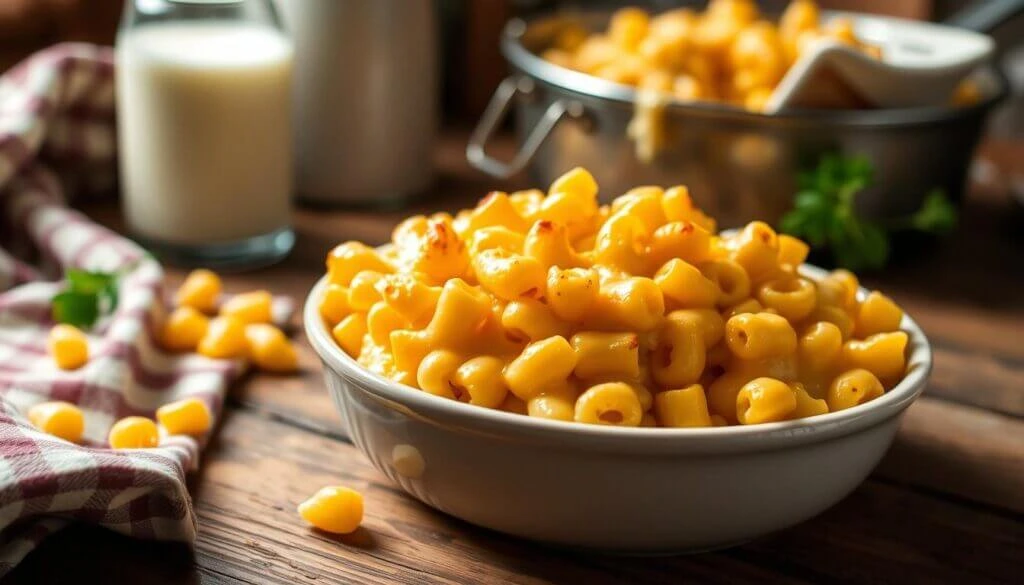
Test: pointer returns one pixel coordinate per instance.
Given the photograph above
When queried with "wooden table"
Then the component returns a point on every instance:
(945, 506)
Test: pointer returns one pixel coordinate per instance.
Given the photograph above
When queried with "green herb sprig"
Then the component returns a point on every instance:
(824, 214)
(87, 297)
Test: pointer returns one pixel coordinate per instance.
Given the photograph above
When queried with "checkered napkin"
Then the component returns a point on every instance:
(56, 137)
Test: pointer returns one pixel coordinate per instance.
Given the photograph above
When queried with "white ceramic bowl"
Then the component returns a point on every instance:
(628, 490)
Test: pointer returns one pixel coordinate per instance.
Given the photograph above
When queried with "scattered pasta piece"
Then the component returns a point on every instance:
(190, 416)
(201, 291)
(68, 346)
(60, 419)
(184, 328)
(334, 509)
(250, 307)
(225, 338)
(270, 350)
(134, 432)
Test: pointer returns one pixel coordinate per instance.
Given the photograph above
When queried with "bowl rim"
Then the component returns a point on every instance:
(706, 440)
(531, 64)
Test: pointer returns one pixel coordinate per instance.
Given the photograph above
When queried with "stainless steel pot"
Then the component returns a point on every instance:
(739, 165)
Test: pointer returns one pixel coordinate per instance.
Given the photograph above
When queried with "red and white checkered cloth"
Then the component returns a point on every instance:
(56, 135)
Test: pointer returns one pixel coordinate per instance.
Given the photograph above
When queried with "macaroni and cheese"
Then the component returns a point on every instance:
(637, 313)
(728, 53)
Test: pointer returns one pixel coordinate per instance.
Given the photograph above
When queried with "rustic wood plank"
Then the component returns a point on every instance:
(978, 379)
(258, 469)
(970, 452)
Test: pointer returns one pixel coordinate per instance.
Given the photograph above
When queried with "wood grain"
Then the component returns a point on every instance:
(258, 470)
(970, 452)
(977, 378)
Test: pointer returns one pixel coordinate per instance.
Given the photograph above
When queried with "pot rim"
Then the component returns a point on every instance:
(468, 418)
(597, 88)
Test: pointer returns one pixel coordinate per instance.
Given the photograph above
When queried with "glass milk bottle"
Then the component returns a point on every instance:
(203, 103)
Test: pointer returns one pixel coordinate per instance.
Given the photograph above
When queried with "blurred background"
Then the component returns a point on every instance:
(471, 62)
(471, 66)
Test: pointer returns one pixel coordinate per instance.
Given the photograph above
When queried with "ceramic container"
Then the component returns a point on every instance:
(626, 490)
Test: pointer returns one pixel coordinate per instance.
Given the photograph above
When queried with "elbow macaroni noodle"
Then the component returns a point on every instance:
(728, 53)
(637, 313)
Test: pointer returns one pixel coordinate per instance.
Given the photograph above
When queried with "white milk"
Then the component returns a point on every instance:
(203, 117)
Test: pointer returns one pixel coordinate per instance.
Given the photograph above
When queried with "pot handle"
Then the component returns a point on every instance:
(492, 117)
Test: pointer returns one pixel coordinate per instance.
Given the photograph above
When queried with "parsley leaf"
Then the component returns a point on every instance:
(87, 282)
(73, 308)
(88, 295)
(824, 213)
(937, 214)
